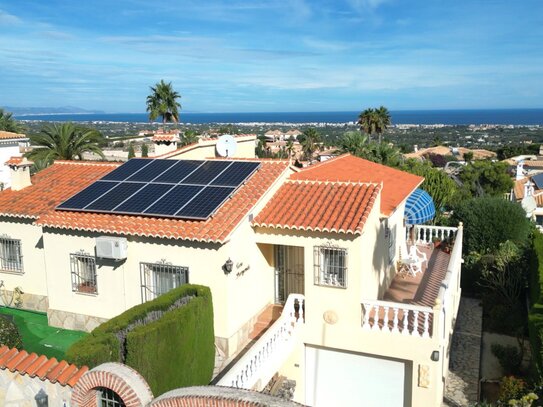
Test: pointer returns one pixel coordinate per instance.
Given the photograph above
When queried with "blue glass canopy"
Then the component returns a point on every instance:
(419, 208)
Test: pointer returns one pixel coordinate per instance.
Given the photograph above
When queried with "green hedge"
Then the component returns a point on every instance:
(174, 351)
(535, 314)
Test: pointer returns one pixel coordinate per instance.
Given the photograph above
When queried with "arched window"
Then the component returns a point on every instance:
(108, 398)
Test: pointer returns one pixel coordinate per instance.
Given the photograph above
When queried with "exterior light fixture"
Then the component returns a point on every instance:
(435, 356)
(228, 266)
(42, 399)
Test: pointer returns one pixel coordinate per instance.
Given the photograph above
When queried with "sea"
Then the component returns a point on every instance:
(447, 117)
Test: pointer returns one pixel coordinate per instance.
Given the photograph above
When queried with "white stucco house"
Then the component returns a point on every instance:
(11, 145)
(324, 243)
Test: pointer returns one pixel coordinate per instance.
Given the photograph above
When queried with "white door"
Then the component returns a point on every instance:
(336, 378)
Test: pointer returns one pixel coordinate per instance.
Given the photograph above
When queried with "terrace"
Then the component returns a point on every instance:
(38, 336)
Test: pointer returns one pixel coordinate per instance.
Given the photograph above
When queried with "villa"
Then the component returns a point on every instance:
(11, 145)
(327, 246)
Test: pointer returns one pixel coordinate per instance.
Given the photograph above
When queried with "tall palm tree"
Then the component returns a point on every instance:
(163, 102)
(289, 148)
(8, 123)
(374, 121)
(354, 143)
(64, 141)
(311, 142)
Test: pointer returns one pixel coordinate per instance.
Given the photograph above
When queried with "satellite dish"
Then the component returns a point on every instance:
(226, 145)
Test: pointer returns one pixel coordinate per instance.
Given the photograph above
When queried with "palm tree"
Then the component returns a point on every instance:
(8, 123)
(374, 121)
(189, 137)
(64, 141)
(289, 148)
(354, 143)
(310, 142)
(163, 102)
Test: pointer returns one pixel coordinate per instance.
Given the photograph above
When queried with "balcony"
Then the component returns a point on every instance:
(426, 304)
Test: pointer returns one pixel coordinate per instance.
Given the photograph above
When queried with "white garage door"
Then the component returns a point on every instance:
(335, 378)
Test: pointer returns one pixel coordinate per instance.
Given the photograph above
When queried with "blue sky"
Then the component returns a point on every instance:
(276, 55)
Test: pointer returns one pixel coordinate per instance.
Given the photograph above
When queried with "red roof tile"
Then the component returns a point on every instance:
(14, 161)
(165, 137)
(340, 207)
(397, 185)
(46, 369)
(7, 135)
(63, 179)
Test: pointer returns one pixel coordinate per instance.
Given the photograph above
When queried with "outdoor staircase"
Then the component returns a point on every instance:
(266, 319)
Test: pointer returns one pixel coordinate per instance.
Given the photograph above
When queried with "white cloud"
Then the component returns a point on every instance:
(9, 19)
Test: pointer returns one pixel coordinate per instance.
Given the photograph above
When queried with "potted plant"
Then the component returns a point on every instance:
(436, 241)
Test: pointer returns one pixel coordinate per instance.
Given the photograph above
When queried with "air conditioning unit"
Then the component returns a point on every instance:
(111, 247)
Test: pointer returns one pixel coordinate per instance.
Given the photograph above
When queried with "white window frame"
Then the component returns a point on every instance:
(83, 270)
(330, 264)
(160, 277)
(11, 257)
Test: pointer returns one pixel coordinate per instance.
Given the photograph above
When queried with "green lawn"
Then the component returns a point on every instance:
(38, 336)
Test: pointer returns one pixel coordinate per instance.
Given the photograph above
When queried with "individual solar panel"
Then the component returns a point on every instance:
(236, 174)
(205, 203)
(207, 172)
(143, 198)
(174, 200)
(115, 196)
(151, 171)
(86, 196)
(127, 169)
(179, 171)
(538, 181)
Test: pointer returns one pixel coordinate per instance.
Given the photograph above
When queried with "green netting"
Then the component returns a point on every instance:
(38, 336)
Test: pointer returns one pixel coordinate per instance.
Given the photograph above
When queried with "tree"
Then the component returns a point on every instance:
(374, 121)
(483, 177)
(8, 123)
(468, 156)
(131, 151)
(9, 334)
(64, 141)
(189, 137)
(354, 143)
(144, 150)
(310, 143)
(289, 148)
(163, 102)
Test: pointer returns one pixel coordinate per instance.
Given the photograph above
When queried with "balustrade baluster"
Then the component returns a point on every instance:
(395, 321)
(375, 326)
(415, 331)
(426, 333)
(385, 320)
(367, 312)
(405, 322)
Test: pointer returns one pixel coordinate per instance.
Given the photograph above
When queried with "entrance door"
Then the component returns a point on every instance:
(289, 272)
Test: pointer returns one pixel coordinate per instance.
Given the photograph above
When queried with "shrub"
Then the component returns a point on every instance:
(9, 334)
(173, 350)
(510, 358)
(511, 388)
(489, 222)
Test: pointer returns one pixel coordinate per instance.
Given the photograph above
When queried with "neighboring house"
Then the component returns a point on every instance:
(324, 241)
(528, 191)
(11, 145)
(424, 153)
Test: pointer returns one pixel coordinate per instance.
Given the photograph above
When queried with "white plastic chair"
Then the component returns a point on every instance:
(413, 260)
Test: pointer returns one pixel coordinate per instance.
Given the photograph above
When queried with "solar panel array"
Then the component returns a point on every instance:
(538, 181)
(186, 189)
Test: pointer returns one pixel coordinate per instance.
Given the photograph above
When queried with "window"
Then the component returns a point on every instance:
(159, 278)
(83, 268)
(108, 398)
(330, 266)
(11, 258)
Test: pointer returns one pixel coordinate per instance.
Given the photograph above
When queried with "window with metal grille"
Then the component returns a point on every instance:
(11, 258)
(108, 398)
(330, 266)
(159, 278)
(83, 268)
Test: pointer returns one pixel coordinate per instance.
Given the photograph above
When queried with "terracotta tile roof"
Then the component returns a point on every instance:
(397, 185)
(214, 229)
(7, 135)
(165, 137)
(46, 369)
(340, 207)
(50, 187)
(518, 188)
(14, 161)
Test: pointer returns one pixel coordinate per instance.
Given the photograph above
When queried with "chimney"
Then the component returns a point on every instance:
(520, 170)
(528, 188)
(20, 172)
(416, 148)
(165, 142)
(541, 149)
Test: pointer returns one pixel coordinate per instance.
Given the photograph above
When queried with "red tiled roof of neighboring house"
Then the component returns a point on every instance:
(397, 185)
(14, 161)
(518, 187)
(22, 362)
(323, 206)
(165, 137)
(51, 186)
(7, 135)
(214, 229)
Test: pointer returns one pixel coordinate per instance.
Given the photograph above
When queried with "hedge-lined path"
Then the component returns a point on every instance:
(462, 385)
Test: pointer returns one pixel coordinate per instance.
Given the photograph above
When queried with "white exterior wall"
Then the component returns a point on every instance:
(206, 149)
(8, 149)
(32, 280)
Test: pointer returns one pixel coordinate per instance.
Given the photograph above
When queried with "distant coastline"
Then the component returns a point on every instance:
(517, 117)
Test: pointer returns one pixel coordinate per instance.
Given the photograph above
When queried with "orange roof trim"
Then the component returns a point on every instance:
(321, 206)
(8, 135)
(40, 366)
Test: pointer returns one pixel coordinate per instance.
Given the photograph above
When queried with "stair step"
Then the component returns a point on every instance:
(266, 319)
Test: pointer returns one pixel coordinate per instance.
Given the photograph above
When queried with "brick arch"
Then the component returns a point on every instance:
(218, 397)
(123, 380)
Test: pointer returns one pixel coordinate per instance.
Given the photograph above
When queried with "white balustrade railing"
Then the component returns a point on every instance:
(404, 319)
(256, 367)
(427, 234)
